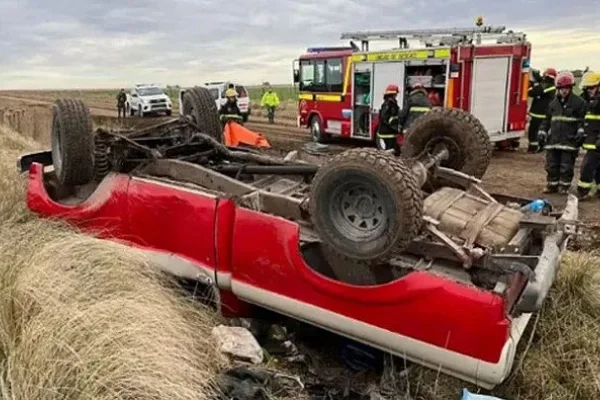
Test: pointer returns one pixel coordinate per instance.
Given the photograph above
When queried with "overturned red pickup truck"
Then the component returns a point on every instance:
(406, 254)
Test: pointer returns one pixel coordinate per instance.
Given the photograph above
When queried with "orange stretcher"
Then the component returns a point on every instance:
(235, 135)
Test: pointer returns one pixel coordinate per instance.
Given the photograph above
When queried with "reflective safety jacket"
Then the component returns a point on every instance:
(416, 105)
(269, 100)
(563, 119)
(542, 94)
(388, 119)
(591, 125)
(230, 111)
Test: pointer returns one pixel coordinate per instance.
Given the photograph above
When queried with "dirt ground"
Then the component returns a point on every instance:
(510, 172)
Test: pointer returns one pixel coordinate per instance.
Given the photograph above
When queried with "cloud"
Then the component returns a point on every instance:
(88, 43)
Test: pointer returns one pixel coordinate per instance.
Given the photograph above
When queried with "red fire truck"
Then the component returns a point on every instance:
(483, 70)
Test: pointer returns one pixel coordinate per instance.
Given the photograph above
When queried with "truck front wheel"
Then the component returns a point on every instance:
(366, 206)
(72, 142)
(316, 129)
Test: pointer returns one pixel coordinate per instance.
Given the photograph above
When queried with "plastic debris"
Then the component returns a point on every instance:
(466, 395)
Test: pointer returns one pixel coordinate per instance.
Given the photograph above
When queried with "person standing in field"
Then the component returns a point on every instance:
(121, 100)
(270, 100)
(561, 134)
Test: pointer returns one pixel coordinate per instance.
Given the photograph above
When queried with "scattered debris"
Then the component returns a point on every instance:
(466, 395)
(243, 383)
(238, 343)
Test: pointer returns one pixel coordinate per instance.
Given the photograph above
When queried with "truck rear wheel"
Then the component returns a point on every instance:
(72, 142)
(199, 104)
(459, 131)
(366, 206)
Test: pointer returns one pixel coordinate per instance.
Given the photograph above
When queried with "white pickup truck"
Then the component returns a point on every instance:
(148, 99)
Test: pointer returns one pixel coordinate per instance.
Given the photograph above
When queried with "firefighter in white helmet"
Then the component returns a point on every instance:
(564, 122)
(590, 169)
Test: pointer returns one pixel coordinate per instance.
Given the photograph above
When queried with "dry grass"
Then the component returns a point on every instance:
(82, 318)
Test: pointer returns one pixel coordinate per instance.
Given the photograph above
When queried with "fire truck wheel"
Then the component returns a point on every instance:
(366, 206)
(200, 105)
(72, 142)
(459, 131)
(316, 130)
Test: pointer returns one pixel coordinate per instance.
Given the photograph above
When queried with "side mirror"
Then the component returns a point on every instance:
(296, 76)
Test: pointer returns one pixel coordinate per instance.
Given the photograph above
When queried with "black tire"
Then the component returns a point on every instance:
(140, 112)
(168, 113)
(383, 189)
(72, 142)
(316, 129)
(245, 117)
(462, 133)
(200, 105)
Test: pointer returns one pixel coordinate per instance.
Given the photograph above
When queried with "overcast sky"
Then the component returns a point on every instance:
(110, 43)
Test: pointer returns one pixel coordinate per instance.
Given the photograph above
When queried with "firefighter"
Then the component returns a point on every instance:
(416, 105)
(590, 168)
(542, 93)
(564, 121)
(121, 100)
(270, 100)
(388, 129)
(230, 110)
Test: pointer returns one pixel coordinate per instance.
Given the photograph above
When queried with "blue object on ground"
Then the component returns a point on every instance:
(536, 206)
(466, 395)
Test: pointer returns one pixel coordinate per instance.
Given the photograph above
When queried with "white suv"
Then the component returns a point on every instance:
(148, 98)
(217, 89)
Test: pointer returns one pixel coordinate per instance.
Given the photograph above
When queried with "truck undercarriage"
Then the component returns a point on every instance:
(365, 217)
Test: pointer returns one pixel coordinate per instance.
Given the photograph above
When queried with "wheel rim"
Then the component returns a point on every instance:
(357, 211)
(56, 146)
(314, 126)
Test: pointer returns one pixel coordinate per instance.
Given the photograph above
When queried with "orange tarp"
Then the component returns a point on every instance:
(235, 135)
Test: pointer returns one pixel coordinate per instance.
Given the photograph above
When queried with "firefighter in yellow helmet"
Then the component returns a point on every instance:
(590, 168)
(230, 110)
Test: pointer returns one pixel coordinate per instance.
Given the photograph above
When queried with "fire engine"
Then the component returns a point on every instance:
(483, 70)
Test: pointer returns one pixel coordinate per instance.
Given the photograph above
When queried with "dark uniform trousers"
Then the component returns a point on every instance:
(560, 167)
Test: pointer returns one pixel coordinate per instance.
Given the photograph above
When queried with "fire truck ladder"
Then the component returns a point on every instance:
(448, 36)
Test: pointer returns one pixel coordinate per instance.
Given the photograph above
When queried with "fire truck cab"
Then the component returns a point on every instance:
(341, 88)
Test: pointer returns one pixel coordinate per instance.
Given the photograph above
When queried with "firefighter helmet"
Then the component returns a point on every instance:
(392, 89)
(590, 79)
(551, 72)
(565, 79)
(230, 93)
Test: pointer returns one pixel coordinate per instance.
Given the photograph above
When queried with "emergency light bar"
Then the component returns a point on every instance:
(325, 49)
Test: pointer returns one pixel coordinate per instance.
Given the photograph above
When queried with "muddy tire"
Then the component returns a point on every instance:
(72, 142)
(366, 206)
(462, 133)
(200, 105)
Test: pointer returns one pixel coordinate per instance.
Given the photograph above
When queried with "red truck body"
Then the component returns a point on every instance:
(254, 259)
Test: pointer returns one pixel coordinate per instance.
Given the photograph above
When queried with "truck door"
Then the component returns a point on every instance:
(385, 74)
(362, 84)
(489, 92)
